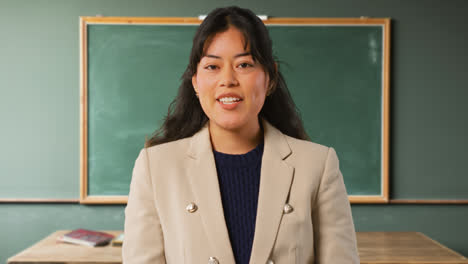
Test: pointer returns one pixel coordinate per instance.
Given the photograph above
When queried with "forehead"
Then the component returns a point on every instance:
(229, 41)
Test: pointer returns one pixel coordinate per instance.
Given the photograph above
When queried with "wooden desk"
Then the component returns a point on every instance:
(404, 248)
(374, 248)
(49, 250)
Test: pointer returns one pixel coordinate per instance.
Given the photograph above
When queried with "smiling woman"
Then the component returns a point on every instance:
(186, 115)
(230, 176)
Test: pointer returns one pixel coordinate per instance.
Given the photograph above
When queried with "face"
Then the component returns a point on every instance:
(231, 86)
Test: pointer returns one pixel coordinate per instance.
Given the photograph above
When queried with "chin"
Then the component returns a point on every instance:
(229, 124)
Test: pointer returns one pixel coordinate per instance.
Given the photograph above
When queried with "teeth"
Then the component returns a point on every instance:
(229, 100)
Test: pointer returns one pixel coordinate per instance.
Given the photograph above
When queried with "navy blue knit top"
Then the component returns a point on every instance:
(239, 182)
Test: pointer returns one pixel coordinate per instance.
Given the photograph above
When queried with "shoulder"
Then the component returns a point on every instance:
(302, 151)
(167, 150)
(305, 146)
(308, 153)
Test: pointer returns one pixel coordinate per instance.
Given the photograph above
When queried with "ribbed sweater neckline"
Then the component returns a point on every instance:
(240, 160)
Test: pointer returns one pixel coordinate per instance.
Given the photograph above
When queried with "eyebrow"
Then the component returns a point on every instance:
(235, 56)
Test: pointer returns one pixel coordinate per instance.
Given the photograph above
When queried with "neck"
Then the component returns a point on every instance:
(235, 141)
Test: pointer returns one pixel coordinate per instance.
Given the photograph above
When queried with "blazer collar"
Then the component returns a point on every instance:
(275, 182)
(200, 143)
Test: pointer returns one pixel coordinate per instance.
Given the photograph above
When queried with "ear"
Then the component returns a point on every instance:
(272, 83)
(194, 83)
(268, 82)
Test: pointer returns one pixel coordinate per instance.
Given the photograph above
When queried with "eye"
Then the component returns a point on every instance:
(211, 67)
(245, 65)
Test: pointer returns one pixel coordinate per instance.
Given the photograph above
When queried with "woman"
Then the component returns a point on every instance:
(230, 178)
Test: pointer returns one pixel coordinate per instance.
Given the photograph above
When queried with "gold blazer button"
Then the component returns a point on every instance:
(191, 207)
(213, 260)
(270, 262)
(287, 209)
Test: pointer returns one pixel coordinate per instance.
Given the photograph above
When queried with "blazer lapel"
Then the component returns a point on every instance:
(275, 182)
(204, 181)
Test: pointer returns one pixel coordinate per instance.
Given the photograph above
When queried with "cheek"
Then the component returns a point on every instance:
(205, 92)
(260, 91)
(205, 82)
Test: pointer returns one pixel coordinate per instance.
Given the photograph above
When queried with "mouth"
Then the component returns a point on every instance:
(229, 100)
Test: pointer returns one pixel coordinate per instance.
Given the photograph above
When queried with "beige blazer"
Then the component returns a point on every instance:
(160, 227)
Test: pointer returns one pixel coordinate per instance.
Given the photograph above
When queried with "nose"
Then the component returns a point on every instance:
(228, 77)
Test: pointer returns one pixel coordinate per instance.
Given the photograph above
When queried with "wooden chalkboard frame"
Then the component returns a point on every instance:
(85, 21)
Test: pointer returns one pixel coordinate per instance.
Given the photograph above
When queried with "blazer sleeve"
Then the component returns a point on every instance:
(143, 239)
(334, 234)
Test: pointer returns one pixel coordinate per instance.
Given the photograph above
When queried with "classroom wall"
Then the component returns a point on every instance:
(39, 110)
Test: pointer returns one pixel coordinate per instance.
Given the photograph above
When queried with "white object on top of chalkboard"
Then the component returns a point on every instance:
(262, 17)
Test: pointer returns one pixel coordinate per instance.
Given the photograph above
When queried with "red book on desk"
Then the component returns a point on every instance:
(86, 237)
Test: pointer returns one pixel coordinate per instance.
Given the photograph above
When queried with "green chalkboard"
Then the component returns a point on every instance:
(337, 75)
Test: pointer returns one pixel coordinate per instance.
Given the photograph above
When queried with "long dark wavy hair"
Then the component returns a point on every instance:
(185, 115)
